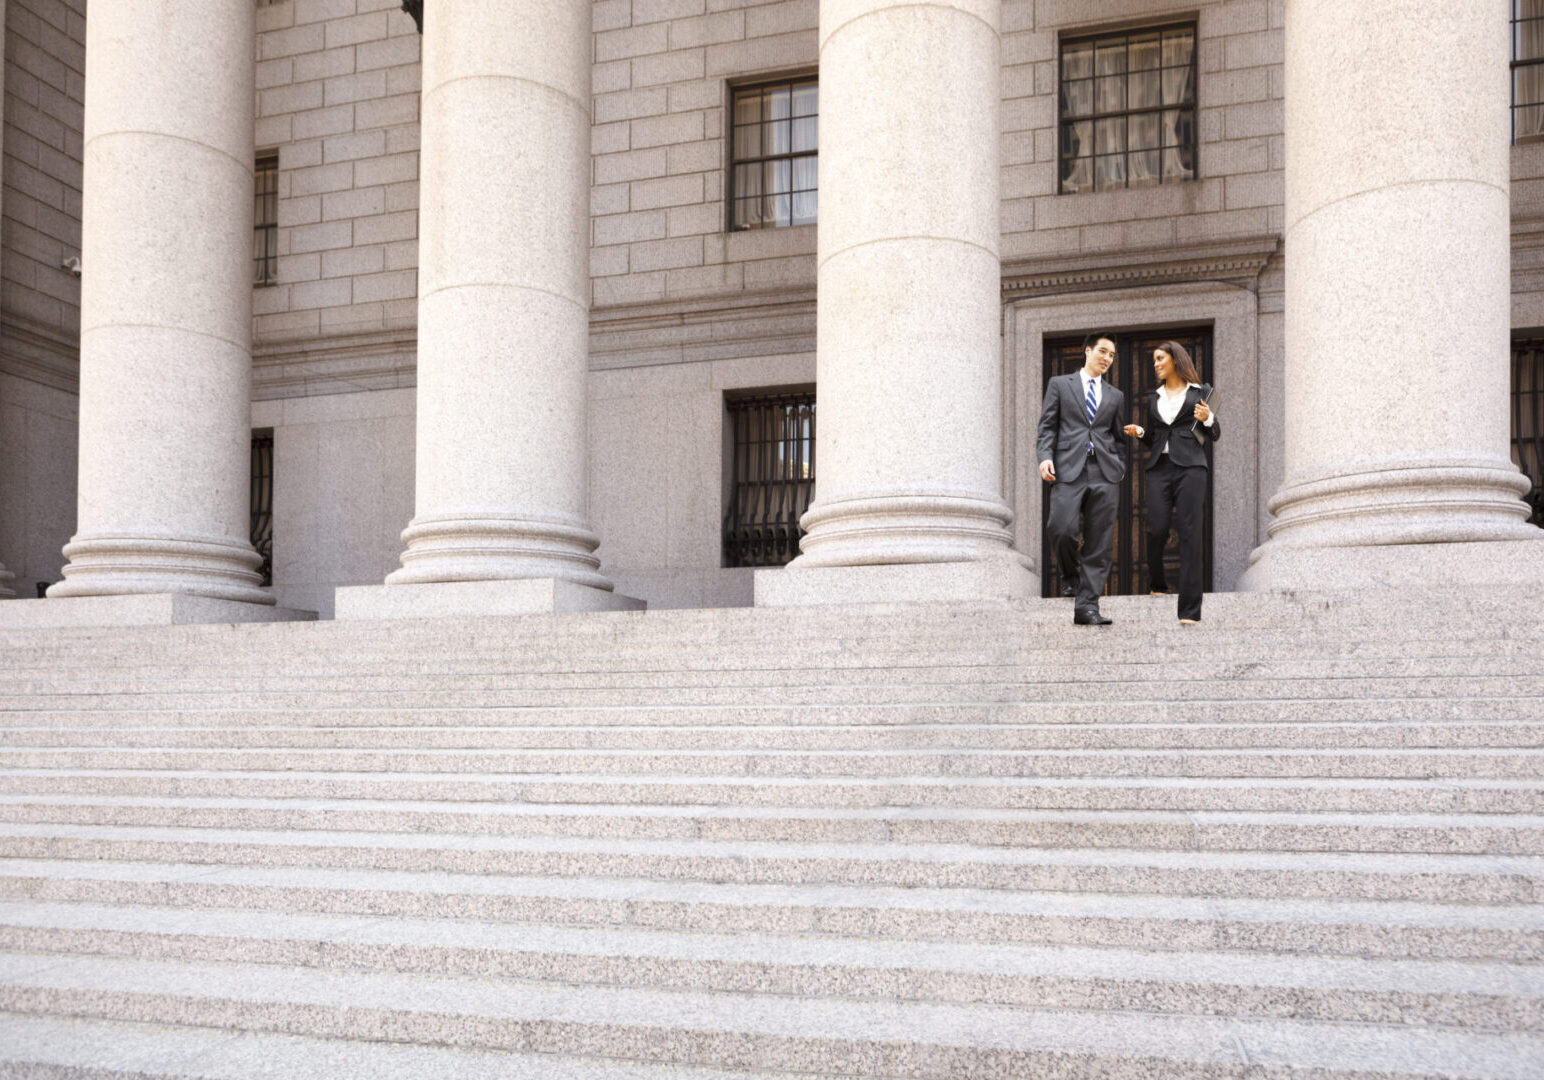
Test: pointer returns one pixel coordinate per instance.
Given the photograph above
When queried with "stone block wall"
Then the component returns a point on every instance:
(337, 96)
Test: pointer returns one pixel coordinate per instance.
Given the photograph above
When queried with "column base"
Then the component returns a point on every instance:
(1503, 563)
(139, 609)
(1001, 580)
(445, 599)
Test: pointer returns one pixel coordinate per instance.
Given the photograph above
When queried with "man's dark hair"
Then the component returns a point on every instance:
(1098, 335)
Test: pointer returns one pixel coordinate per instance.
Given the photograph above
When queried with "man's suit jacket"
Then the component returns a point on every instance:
(1186, 448)
(1065, 431)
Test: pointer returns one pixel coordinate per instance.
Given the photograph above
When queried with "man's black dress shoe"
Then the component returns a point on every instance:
(1068, 591)
(1090, 618)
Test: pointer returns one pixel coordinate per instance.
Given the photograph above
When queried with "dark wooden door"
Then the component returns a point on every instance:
(1132, 374)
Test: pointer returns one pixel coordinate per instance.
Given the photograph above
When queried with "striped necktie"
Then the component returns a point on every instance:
(1093, 407)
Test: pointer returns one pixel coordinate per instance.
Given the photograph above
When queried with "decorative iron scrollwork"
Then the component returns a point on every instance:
(415, 8)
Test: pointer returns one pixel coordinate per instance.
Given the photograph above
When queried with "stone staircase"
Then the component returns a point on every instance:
(1302, 840)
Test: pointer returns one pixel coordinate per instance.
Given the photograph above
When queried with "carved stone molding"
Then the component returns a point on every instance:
(335, 364)
(1238, 261)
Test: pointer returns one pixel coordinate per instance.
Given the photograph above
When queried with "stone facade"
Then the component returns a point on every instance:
(681, 311)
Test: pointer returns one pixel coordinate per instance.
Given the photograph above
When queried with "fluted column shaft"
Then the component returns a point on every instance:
(1398, 277)
(166, 296)
(503, 313)
(908, 339)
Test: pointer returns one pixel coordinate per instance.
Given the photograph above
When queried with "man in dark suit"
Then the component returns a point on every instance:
(1083, 458)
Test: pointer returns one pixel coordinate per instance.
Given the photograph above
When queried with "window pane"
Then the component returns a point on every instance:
(1145, 93)
(1078, 98)
(1111, 95)
(1178, 45)
(747, 107)
(776, 176)
(1528, 85)
(805, 205)
(1527, 9)
(1145, 169)
(747, 180)
(747, 213)
(1178, 164)
(806, 100)
(1078, 139)
(805, 134)
(779, 103)
(781, 209)
(804, 173)
(1178, 89)
(1528, 123)
(1110, 172)
(1077, 175)
(775, 136)
(1528, 39)
(1143, 132)
(1078, 61)
(1146, 53)
(747, 141)
(1110, 57)
(1110, 135)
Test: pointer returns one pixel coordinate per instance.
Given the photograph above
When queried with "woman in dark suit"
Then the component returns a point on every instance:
(1179, 423)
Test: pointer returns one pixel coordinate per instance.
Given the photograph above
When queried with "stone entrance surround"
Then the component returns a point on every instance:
(1397, 468)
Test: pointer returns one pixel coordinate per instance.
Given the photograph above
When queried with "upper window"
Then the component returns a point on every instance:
(265, 221)
(1527, 71)
(772, 177)
(1128, 109)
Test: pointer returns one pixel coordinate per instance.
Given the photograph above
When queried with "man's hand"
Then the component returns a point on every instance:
(1048, 472)
(1134, 430)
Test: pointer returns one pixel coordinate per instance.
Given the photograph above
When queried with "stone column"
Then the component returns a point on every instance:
(908, 326)
(503, 319)
(166, 296)
(1398, 319)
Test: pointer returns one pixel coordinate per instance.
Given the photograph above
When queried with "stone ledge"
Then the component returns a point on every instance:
(444, 599)
(1478, 565)
(144, 609)
(1004, 580)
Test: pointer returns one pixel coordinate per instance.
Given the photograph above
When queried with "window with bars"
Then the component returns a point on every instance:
(772, 471)
(1128, 109)
(772, 175)
(1527, 71)
(265, 221)
(1528, 419)
(262, 501)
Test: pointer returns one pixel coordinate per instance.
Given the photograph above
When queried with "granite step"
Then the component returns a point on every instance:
(1269, 924)
(408, 692)
(1503, 834)
(739, 1030)
(1455, 878)
(104, 712)
(1507, 996)
(1132, 734)
(68, 1048)
(1300, 795)
(1347, 762)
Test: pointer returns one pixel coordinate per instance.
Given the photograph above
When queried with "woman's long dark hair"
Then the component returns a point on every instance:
(1182, 363)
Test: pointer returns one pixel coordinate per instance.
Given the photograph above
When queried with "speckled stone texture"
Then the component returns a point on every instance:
(919, 841)
(1397, 243)
(908, 341)
(166, 307)
(142, 609)
(503, 315)
(520, 596)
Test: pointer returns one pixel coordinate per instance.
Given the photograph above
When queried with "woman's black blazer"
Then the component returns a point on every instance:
(1186, 448)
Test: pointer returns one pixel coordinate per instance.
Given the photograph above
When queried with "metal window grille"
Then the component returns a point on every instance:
(1527, 71)
(1128, 109)
(262, 501)
(773, 471)
(773, 174)
(265, 221)
(1528, 419)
